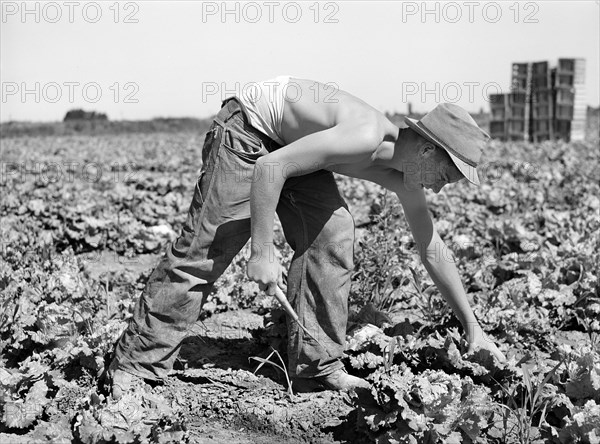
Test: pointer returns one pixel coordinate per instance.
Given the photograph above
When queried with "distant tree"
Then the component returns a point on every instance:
(79, 114)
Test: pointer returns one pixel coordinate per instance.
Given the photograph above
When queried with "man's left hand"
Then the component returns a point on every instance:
(478, 340)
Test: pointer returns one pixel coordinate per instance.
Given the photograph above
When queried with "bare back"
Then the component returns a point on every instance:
(312, 106)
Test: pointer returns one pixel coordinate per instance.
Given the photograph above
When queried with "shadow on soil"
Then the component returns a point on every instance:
(200, 352)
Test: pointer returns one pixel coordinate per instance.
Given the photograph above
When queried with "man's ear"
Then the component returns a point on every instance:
(427, 149)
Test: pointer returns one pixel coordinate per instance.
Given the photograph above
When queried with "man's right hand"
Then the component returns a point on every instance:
(267, 274)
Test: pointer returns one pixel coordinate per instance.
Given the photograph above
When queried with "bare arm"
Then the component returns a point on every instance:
(435, 255)
(439, 262)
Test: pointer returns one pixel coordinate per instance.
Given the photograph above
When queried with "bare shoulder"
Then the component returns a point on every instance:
(312, 106)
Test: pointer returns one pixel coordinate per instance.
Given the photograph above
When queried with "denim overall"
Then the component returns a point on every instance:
(316, 224)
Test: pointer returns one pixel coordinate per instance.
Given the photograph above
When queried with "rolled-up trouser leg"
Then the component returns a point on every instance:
(318, 226)
(217, 227)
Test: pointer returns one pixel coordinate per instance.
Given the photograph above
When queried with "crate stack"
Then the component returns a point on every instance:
(542, 103)
(518, 112)
(570, 108)
(510, 112)
(518, 102)
(499, 118)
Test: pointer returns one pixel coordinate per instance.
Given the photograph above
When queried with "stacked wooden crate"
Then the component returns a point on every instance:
(543, 104)
(509, 119)
(518, 113)
(570, 108)
(499, 118)
(542, 100)
(518, 102)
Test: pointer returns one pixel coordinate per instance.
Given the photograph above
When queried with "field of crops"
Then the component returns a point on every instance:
(84, 220)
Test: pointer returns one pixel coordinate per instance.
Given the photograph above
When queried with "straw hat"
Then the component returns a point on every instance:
(452, 128)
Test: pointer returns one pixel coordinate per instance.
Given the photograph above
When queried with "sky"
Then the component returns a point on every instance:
(141, 60)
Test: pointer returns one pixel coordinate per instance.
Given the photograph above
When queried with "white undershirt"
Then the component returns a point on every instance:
(263, 103)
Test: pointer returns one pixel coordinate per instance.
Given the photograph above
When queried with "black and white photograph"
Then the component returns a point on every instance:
(298, 222)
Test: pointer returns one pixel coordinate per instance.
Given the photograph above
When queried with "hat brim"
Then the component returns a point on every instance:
(468, 171)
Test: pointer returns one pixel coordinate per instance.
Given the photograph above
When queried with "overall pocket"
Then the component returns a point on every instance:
(245, 146)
